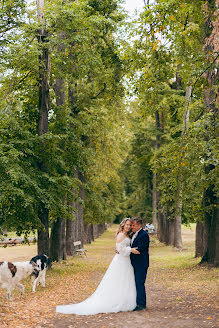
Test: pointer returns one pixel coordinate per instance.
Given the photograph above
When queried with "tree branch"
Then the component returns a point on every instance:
(186, 21)
(104, 87)
(200, 75)
(23, 78)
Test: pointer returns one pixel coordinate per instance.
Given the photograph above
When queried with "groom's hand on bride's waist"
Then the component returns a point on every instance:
(135, 250)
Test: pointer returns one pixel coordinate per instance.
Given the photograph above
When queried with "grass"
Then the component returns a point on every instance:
(180, 270)
(100, 253)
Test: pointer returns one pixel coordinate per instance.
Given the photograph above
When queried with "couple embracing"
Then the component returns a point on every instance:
(123, 285)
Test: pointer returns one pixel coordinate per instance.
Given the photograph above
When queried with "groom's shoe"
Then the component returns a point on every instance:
(139, 308)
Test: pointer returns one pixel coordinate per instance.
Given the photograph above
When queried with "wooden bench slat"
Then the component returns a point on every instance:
(81, 250)
(77, 243)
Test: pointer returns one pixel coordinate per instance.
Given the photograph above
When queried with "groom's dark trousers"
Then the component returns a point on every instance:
(140, 263)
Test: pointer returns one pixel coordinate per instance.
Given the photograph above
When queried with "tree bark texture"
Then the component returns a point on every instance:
(57, 239)
(177, 231)
(210, 199)
(178, 220)
(70, 236)
(200, 239)
(80, 210)
(171, 227)
(88, 233)
(43, 105)
(75, 228)
(58, 229)
(44, 71)
(154, 201)
(72, 225)
(157, 220)
(43, 233)
(211, 221)
(162, 228)
(159, 214)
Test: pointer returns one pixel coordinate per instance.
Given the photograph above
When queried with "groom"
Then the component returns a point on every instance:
(140, 261)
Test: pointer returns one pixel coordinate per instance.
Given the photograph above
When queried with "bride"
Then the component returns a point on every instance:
(116, 291)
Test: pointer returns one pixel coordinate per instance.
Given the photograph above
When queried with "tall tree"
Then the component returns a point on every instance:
(58, 227)
(210, 250)
(44, 106)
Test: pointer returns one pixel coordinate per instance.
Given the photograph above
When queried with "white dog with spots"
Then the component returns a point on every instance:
(12, 273)
(43, 262)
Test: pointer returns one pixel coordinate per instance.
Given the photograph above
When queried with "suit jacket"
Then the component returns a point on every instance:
(142, 242)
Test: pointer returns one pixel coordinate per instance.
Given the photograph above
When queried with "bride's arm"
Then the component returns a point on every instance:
(124, 250)
(121, 249)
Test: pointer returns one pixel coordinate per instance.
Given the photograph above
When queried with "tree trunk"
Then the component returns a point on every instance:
(154, 201)
(78, 225)
(161, 214)
(75, 229)
(70, 237)
(43, 233)
(57, 239)
(200, 239)
(157, 217)
(71, 226)
(162, 227)
(88, 233)
(80, 212)
(95, 230)
(171, 225)
(178, 219)
(177, 229)
(216, 257)
(44, 105)
(44, 71)
(210, 199)
(211, 221)
(101, 228)
(187, 112)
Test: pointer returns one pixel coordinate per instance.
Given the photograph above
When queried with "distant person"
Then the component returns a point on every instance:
(149, 228)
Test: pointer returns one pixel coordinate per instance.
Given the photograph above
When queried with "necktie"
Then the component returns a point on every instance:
(134, 236)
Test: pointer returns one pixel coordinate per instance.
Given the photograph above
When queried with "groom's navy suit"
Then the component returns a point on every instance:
(140, 263)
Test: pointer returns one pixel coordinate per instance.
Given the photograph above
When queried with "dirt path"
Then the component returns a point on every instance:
(165, 309)
(180, 293)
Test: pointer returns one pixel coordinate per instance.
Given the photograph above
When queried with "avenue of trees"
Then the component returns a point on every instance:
(94, 128)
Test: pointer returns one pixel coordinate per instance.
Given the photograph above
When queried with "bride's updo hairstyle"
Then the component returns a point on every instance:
(122, 224)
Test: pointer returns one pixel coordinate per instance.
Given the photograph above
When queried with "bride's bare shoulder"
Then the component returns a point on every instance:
(120, 237)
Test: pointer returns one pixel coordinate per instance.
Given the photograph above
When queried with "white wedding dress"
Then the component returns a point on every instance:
(116, 291)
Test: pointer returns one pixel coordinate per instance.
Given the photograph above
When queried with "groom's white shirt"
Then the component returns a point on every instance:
(135, 235)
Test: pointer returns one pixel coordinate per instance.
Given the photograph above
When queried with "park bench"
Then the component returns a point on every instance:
(78, 249)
